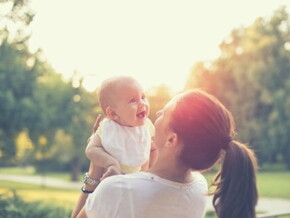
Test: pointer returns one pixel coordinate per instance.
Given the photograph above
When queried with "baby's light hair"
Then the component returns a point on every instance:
(108, 90)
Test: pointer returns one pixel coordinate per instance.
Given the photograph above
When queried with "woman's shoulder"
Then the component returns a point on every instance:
(145, 178)
(119, 182)
(199, 176)
(200, 181)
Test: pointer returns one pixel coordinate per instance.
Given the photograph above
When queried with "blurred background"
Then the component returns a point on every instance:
(54, 54)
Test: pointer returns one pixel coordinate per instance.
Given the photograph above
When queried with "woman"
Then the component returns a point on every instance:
(193, 132)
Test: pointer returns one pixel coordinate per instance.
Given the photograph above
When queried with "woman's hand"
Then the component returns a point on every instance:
(95, 126)
(97, 123)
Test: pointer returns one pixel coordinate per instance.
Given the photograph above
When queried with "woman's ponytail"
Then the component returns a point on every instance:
(236, 193)
(205, 128)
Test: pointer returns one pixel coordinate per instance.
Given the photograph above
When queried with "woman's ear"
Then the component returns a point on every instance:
(172, 140)
(111, 114)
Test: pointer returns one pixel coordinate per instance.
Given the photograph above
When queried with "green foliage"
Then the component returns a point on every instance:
(56, 114)
(64, 115)
(14, 207)
(252, 78)
(17, 74)
(14, 19)
(18, 170)
(17, 84)
(210, 214)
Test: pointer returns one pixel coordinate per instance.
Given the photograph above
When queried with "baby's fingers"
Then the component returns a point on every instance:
(106, 174)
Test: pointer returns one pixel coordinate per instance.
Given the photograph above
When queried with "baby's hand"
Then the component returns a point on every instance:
(111, 170)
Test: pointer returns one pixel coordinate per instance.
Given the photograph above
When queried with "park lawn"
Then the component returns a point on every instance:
(274, 184)
(270, 184)
(29, 171)
(18, 170)
(29, 192)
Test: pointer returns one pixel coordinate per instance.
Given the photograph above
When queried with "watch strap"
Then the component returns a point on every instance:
(86, 191)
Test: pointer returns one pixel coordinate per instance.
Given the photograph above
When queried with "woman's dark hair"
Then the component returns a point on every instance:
(206, 129)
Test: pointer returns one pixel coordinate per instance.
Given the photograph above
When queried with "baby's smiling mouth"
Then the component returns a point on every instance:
(141, 114)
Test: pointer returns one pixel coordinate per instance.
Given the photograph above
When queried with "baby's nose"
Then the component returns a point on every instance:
(142, 103)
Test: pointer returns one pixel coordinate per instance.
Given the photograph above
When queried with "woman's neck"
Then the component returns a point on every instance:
(175, 172)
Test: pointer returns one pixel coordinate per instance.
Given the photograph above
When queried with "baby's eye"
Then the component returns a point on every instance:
(143, 97)
(133, 100)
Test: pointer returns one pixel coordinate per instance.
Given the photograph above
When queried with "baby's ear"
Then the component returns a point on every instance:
(111, 114)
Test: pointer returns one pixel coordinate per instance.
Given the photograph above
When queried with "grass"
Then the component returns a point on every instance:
(30, 193)
(18, 170)
(28, 171)
(270, 184)
(274, 184)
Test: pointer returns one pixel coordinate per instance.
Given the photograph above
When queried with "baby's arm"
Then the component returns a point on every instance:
(100, 158)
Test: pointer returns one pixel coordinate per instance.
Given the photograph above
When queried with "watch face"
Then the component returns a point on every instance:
(90, 181)
(86, 179)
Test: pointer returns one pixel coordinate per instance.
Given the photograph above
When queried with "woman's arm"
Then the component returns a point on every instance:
(82, 214)
(78, 211)
(95, 173)
(108, 200)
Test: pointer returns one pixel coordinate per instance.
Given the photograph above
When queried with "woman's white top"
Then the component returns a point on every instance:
(145, 195)
(129, 145)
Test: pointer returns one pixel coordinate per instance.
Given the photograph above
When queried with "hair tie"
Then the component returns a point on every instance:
(229, 139)
(226, 142)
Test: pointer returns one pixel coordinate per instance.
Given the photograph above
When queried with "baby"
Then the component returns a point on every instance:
(122, 142)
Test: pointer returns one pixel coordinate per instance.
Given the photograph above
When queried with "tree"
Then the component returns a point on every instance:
(14, 20)
(17, 73)
(35, 102)
(18, 79)
(63, 124)
(252, 77)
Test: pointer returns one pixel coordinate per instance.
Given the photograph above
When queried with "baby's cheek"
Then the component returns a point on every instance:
(148, 108)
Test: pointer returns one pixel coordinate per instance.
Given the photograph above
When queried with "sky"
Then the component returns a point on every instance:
(155, 41)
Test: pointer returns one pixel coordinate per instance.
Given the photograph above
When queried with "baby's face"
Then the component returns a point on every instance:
(131, 104)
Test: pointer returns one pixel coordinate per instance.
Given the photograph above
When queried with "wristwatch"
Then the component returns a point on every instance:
(90, 181)
(86, 191)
